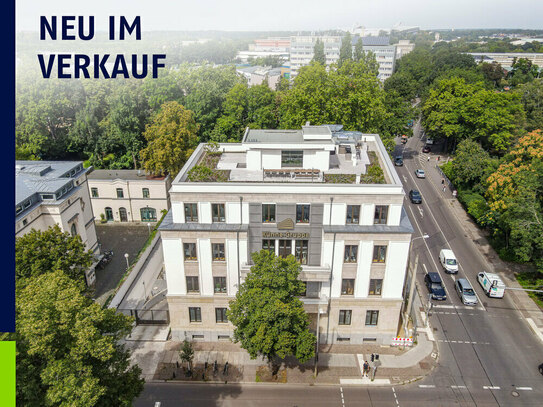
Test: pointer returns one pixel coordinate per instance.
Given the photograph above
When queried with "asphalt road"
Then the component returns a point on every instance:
(486, 351)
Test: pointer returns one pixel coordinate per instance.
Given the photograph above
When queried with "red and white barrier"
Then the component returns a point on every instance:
(402, 341)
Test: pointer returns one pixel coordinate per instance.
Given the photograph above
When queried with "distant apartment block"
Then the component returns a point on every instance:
(128, 195)
(275, 44)
(385, 54)
(403, 47)
(255, 75)
(505, 59)
(55, 192)
(304, 193)
(301, 50)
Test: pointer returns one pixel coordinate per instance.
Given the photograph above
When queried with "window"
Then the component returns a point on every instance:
(269, 245)
(345, 317)
(192, 285)
(25, 222)
(217, 211)
(191, 212)
(148, 214)
(285, 248)
(312, 289)
(301, 250)
(292, 158)
(302, 213)
(347, 286)
(372, 317)
(219, 285)
(120, 193)
(379, 254)
(351, 253)
(217, 250)
(268, 213)
(375, 286)
(145, 192)
(190, 251)
(73, 230)
(220, 315)
(353, 214)
(381, 214)
(195, 314)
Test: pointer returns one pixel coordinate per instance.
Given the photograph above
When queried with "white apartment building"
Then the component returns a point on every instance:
(403, 47)
(506, 59)
(55, 192)
(301, 50)
(385, 54)
(294, 192)
(128, 195)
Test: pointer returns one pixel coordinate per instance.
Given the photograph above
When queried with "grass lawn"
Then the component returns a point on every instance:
(534, 281)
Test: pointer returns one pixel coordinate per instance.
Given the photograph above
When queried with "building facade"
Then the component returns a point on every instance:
(55, 192)
(385, 54)
(294, 192)
(301, 50)
(128, 195)
(506, 59)
(404, 47)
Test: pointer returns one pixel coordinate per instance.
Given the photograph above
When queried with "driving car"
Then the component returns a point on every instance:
(420, 173)
(415, 196)
(435, 286)
(465, 292)
(398, 160)
(426, 149)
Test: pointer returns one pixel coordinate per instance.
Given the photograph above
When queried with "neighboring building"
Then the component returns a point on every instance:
(385, 54)
(301, 50)
(128, 195)
(245, 56)
(403, 47)
(257, 74)
(505, 59)
(55, 192)
(283, 194)
(274, 44)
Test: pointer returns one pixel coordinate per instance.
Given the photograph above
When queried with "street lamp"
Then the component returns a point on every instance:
(149, 227)
(126, 257)
(412, 283)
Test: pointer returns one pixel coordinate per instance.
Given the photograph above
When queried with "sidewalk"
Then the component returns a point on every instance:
(337, 364)
(527, 307)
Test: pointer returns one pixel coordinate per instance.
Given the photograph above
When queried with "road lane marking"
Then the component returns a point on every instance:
(342, 400)
(491, 387)
(524, 388)
(443, 306)
(427, 386)
(421, 212)
(395, 397)
(458, 387)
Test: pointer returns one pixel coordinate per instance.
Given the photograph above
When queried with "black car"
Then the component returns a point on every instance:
(426, 149)
(415, 196)
(541, 368)
(398, 160)
(435, 286)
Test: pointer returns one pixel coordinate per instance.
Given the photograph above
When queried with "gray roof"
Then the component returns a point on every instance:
(33, 177)
(372, 41)
(274, 136)
(131, 175)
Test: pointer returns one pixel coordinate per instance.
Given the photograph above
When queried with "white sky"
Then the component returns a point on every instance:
(258, 15)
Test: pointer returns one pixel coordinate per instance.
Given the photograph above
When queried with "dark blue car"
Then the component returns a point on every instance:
(435, 286)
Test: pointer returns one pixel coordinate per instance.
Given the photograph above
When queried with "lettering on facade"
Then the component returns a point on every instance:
(286, 235)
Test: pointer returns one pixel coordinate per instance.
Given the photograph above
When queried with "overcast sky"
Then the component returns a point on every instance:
(255, 15)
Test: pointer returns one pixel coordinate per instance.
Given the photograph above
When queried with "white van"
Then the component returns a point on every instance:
(448, 261)
(492, 284)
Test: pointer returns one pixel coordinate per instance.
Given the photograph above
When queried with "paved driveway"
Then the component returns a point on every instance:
(121, 238)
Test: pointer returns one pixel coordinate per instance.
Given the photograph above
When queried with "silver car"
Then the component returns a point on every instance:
(465, 292)
(420, 173)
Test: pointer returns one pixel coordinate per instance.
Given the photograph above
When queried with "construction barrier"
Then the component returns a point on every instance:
(402, 341)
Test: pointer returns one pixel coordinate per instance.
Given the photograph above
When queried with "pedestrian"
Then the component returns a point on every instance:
(437, 158)
(366, 369)
(428, 158)
(454, 193)
(443, 188)
(442, 181)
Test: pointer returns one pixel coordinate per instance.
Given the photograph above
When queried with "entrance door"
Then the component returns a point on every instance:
(122, 214)
(109, 214)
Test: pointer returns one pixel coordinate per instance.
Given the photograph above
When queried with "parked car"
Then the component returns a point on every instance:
(426, 149)
(415, 196)
(465, 292)
(448, 261)
(429, 141)
(420, 173)
(398, 160)
(435, 286)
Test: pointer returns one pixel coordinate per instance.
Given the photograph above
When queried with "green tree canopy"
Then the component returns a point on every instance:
(318, 52)
(40, 252)
(172, 137)
(469, 164)
(346, 49)
(532, 99)
(68, 351)
(268, 318)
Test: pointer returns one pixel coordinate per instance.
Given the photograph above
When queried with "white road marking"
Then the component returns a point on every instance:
(395, 397)
(443, 306)
(458, 387)
(427, 386)
(421, 212)
(491, 387)
(342, 400)
(524, 388)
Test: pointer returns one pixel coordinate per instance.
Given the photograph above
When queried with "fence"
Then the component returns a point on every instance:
(148, 317)
(447, 180)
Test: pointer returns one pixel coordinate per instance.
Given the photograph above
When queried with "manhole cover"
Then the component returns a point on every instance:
(515, 393)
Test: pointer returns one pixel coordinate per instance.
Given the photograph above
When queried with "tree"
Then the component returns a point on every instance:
(493, 72)
(358, 50)
(318, 52)
(68, 350)
(261, 110)
(186, 354)
(532, 99)
(469, 164)
(171, 137)
(40, 252)
(346, 50)
(268, 318)
(230, 126)
(523, 71)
